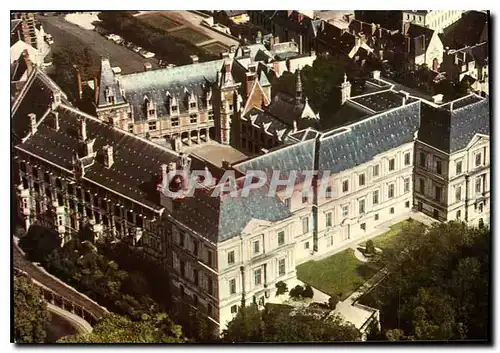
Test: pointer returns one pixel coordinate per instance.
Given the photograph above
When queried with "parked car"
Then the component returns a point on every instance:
(129, 44)
(146, 54)
(136, 49)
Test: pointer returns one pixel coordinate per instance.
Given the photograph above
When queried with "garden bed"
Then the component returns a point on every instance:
(191, 35)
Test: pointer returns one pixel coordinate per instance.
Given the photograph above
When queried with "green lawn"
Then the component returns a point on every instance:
(341, 273)
(385, 240)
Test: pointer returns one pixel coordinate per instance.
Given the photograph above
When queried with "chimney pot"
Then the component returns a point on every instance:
(376, 74)
(195, 59)
(147, 66)
(108, 156)
(438, 98)
(56, 120)
(32, 118)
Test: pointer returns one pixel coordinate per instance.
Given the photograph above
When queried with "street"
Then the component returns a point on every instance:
(66, 33)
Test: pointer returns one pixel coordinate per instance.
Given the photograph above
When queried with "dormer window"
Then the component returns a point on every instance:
(110, 95)
(174, 109)
(192, 105)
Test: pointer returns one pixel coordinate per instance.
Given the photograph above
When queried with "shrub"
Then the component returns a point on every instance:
(370, 248)
(296, 292)
(333, 301)
(281, 288)
(308, 292)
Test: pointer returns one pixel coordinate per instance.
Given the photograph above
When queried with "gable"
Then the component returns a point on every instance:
(256, 98)
(255, 225)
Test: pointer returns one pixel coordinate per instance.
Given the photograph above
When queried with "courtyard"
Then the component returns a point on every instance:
(342, 273)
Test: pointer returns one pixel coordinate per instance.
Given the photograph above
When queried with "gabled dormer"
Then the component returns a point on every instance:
(173, 105)
(192, 100)
(150, 108)
(110, 95)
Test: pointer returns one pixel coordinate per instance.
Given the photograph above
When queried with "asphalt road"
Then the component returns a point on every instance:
(66, 33)
(72, 295)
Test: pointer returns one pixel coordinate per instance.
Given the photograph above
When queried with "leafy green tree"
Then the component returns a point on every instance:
(438, 283)
(277, 323)
(308, 292)
(296, 292)
(30, 312)
(118, 329)
(370, 247)
(39, 242)
(281, 288)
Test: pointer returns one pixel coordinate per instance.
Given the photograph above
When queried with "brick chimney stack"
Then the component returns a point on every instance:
(108, 156)
(82, 129)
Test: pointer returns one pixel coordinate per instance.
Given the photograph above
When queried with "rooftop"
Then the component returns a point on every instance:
(382, 101)
(216, 153)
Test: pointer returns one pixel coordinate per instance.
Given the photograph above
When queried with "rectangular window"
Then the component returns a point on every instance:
(376, 170)
(210, 258)
(437, 193)
(210, 285)
(421, 185)
(391, 191)
(173, 108)
(287, 202)
(256, 247)
(345, 186)
(345, 210)
(392, 164)
(131, 128)
(406, 184)
(306, 245)
(175, 121)
(196, 277)
(192, 105)
(362, 179)
(281, 238)
(435, 213)
(183, 269)
(304, 197)
(478, 159)
(422, 159)
(305, 225)
(234, 309)
(328, 192)
(459, 214)
(478, 184)
(407, 204)
(257, 277)
(458, 167)
(181, 240)
(281, 267)
(152, 125)
(196, 247)
(232, 286)
(391, 210)
(193, 118)
(328, 218)
(407, 158)
(438, 167)
(458, 193)
(376, 216)
(363, 226)
(230, 257)
(211, 115)
(361, 206)
(375, 197)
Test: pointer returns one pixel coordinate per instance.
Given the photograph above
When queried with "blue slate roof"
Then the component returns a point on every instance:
(362, 141)
(450, 127)
(107, 79)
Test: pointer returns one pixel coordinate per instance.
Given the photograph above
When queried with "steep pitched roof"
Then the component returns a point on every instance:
(421, 37)
(451, 126)
(469, 30)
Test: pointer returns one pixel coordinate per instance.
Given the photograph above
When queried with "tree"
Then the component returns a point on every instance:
(438, 283)
(308, 292)
(39, 242)
(370, 248)
(296, 292)
(333, 301)
(280, 323)
(113, 328)
(281, 288)
(30, 312)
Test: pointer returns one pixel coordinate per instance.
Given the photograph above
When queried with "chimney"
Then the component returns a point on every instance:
(312, 53)
(82, 129)
(249, 82)
(225, 55)
(276, 40)
(172, 167)
(300, 44)
(271, 43)
(407, 44)
(108, 156)
(227, 67)
(79, 83)
(438, 98)
(56, 99)
(194, 59)
(376, 74)
(90, 146)
(276, 67)
(33, 127)
(96, 90)
(295, 126)
(56, 120)
(177, 144)
(29, 63)
(164, 170)
(147, 66)
(226, 165)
